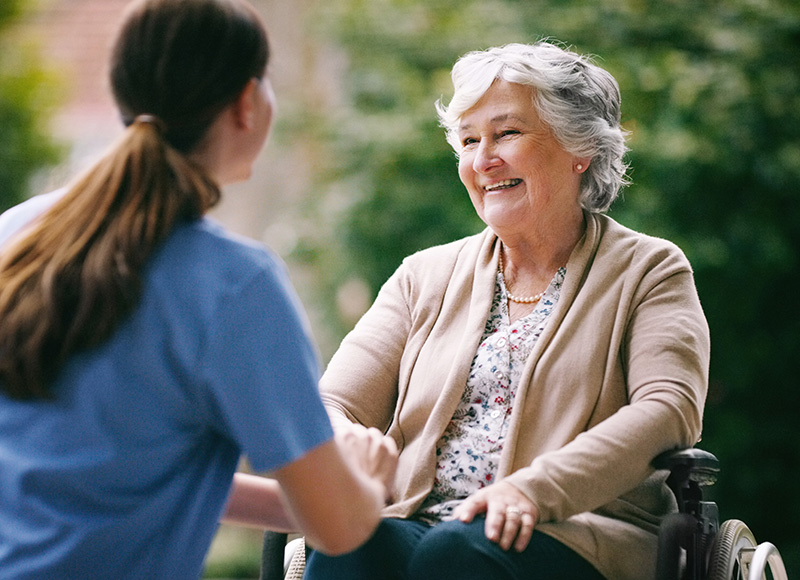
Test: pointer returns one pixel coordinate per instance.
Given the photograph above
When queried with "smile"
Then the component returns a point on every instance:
(505, 184)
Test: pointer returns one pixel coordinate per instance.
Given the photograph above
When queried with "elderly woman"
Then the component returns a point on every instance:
(529, 374)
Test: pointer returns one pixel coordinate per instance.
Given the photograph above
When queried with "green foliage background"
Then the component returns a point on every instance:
(711, 94)
(28, 95)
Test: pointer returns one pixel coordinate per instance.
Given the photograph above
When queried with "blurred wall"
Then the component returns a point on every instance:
(75, 37)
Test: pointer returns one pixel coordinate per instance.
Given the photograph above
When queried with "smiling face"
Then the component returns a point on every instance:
(518, 176)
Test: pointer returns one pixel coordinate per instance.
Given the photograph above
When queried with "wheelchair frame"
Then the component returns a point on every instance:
(692, 545)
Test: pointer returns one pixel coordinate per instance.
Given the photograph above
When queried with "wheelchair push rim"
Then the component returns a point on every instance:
(735, 555)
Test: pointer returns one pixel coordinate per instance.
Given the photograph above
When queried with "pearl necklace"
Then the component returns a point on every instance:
(518, 299)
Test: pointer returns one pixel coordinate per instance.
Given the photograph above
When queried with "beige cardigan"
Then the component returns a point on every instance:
(618, 376)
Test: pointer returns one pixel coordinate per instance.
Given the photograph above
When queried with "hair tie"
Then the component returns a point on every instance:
(149, 119)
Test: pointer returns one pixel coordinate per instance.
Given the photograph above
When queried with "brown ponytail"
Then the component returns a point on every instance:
(68, 281)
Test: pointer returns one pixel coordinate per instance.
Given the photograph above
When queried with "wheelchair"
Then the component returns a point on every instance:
(692, 544)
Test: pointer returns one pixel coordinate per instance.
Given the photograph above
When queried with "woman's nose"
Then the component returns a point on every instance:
(486, 157)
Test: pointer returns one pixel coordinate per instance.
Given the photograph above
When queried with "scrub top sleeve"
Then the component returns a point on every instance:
(263, 370)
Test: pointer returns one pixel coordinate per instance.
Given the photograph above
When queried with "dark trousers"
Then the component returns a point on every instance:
(411, 550)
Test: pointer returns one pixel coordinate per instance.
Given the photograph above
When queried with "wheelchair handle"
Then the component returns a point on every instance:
(690, 464)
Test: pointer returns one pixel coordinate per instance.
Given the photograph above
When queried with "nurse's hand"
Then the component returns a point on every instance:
(372, 452)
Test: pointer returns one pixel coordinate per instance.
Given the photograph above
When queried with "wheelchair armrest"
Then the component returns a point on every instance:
(690, 464)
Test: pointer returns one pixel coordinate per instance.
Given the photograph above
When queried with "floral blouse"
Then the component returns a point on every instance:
(468, 454)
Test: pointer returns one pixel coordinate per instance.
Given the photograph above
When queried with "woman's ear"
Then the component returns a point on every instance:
(244, 107)
(581, 164)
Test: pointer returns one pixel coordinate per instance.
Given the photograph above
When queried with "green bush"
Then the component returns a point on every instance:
(28, 96)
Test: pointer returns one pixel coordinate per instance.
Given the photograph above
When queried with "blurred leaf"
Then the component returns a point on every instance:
(28, 97)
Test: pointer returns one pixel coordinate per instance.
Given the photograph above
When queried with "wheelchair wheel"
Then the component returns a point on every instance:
(723, 561)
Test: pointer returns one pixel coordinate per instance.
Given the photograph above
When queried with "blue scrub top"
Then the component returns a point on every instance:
(126, 472)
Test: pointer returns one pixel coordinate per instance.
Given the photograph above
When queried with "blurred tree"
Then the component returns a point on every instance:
(27, 100)
(711, 94)
(714, 98)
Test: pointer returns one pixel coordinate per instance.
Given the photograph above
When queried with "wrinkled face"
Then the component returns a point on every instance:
(517, 175)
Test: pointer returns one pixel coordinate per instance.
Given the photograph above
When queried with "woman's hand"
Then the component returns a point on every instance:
(371, 452)
(510, 515)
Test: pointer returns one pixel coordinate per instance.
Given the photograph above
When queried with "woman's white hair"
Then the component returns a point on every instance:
(578, 100)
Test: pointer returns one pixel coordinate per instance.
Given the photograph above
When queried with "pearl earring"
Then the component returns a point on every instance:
(579, 167)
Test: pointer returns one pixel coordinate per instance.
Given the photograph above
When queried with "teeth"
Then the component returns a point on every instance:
(502, 184)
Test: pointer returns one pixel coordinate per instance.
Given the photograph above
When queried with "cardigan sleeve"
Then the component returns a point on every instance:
(360, 384)
(370, 375)
(658, 361)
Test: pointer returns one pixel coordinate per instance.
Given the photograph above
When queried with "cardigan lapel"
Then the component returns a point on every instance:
(577, 268)
(476, 286)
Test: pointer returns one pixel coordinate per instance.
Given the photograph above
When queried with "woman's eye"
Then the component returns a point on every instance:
(467, 141)
(508, 132)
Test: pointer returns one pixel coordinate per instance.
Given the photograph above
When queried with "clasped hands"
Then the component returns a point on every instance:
(510, 515)
(370, 452)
